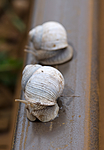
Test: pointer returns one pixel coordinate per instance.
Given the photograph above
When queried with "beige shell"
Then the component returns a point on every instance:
(49, 36)
(44, 86)
(44, 115)
(50, 44)
(47, 114)
(27, 73)
(41, 91)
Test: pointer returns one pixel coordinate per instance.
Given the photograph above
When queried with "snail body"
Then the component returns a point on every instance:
(42, 86)
(62, 56)
(49, 41)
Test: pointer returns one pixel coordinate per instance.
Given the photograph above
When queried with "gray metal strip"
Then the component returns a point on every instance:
(76, 128)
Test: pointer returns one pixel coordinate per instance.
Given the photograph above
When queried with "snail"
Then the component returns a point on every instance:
(42, 86)
(50, 44)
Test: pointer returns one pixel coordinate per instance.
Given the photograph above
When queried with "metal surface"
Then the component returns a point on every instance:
(76, 128)
(101, 75)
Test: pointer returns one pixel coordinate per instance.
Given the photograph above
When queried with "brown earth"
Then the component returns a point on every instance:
(14, 23)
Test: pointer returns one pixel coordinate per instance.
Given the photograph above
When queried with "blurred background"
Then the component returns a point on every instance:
(14, 23)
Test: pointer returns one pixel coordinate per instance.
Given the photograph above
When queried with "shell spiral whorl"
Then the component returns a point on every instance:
(42, 86)
(50, 41)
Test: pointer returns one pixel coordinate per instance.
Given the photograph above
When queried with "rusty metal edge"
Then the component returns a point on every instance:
(101, 74)
(94, 89)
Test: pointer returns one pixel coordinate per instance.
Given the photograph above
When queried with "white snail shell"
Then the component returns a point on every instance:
(47, 114)
(49, 36)
(49, 41)
(27, 73)
(44, 115)
(42, 86)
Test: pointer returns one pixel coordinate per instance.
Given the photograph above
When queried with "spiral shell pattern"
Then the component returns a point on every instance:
(50, 43)
(42, 86)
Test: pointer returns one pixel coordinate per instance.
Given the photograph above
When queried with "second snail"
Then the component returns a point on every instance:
(50, 44)
(42, 86)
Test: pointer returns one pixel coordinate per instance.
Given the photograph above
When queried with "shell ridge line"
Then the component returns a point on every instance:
(50, 92)
(53, 81)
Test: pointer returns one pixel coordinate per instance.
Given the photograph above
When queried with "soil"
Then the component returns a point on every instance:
(14, 18)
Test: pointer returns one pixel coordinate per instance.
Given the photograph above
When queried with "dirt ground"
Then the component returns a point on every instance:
(14, 23)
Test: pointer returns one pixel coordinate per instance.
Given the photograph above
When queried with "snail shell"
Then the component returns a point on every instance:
(49, 41)
(27, 73)
(44, 115)
(49, 36)
(42, 86)
(47, 114)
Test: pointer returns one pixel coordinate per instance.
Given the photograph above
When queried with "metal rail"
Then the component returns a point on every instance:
(76, 128)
